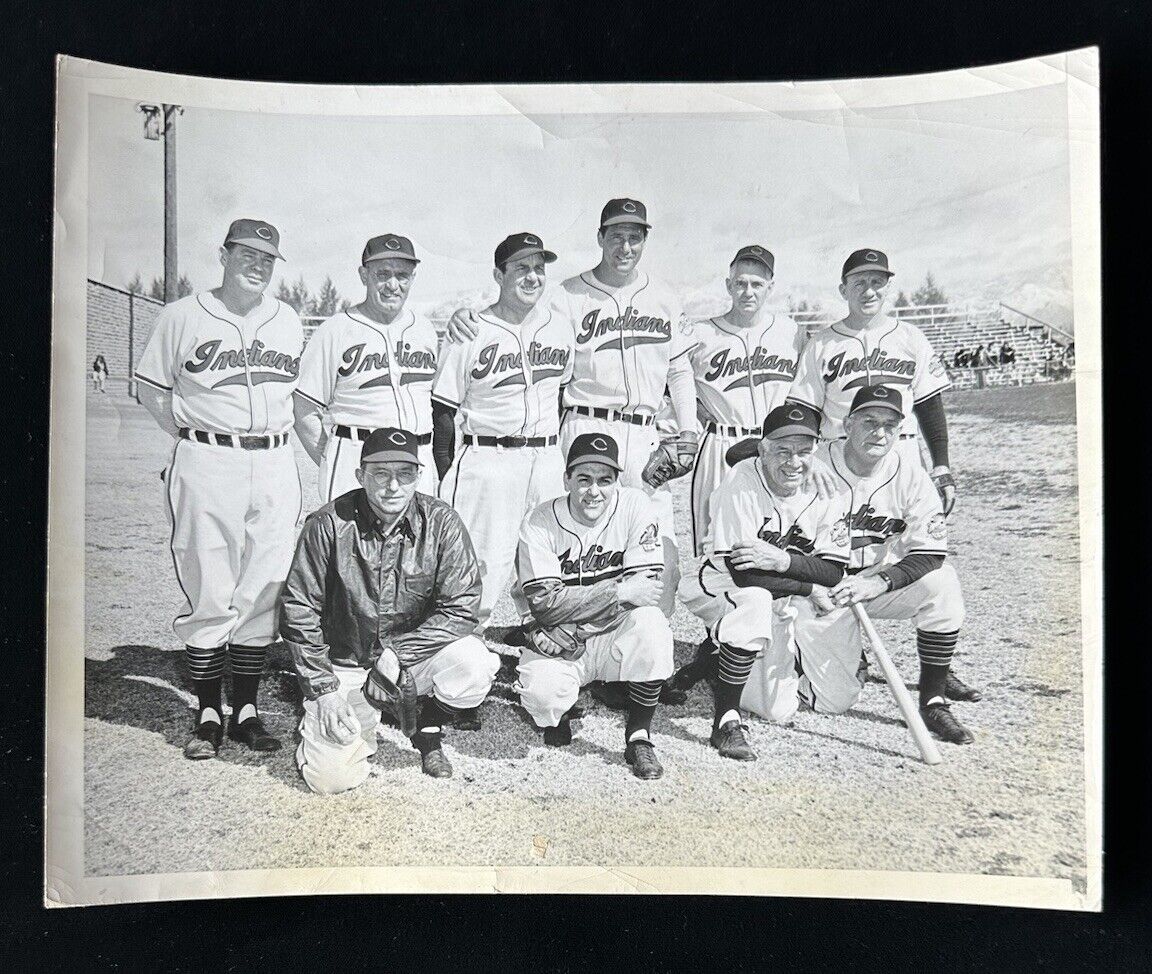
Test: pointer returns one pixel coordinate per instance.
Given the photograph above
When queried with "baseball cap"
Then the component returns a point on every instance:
(520, 245)
(390, 445)
(594, 448)
(255, 234)
(624, 211)
(757, 253)
(388, 245)
(791, 419)
(880, 397)
(866, 260)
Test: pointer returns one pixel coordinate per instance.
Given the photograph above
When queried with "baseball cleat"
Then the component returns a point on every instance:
(642, 756)
(205, 741)
(672, 695)
(957, 689)
(938, 718)
(558, 736)
(731, 741)
(253, 734)
(613, 695)
(702, 666)
(516, 636)
(468, 720)
(435, 764)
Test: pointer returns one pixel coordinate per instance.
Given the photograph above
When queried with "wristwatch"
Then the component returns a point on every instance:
(887, 580)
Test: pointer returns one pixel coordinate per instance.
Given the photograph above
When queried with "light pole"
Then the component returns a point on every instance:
(160, 123)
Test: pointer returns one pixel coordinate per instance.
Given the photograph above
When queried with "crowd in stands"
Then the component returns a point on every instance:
(984, 356)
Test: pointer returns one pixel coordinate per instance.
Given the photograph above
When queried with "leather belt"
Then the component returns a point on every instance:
(902, 436)
(711, 427)
(361, 434)
(509, 441)
(235, 440)
(597, 413)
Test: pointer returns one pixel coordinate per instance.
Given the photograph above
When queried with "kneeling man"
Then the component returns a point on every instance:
(379, 610)
(771, 544)
(590, 564)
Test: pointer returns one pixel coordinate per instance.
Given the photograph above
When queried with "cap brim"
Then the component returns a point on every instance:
(870, 267)
(390, 456)
(594, 458)
(613, 220)
(758, 260)
(256, 243)
(879, 405)
(794, 430)
(548, 256)
(393, 256)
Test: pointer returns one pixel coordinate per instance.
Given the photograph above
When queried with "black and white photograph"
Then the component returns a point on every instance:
(577, 488)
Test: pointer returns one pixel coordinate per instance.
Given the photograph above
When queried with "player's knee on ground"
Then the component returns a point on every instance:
(548, 689)
(328, 768)
(776, 704)
(831, 696)
(943, 607)
(464, 673)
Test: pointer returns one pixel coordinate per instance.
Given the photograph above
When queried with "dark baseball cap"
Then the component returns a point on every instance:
(879, 397)
(519, 246)
(388, 245)
(791, 419)
(256, 234)
(594, 448)
(390, 445)
(868, 259)
(757, 253)
(624, 211)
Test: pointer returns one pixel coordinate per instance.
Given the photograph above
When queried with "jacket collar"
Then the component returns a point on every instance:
(369, 523)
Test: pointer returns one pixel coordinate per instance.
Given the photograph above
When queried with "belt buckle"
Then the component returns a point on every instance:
(516, 441)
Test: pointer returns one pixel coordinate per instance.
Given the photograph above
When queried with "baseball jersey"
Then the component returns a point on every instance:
(554, 545)
(370, 375)
(893, 512)
(226, 373)
(506, 381)
(744, 507)
(744, 373)
(838, 361)
(624, 339)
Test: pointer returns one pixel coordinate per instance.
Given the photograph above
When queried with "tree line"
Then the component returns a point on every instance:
(324, 303)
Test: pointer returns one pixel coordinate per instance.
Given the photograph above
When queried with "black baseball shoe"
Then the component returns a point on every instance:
(938, 718)
(253, 734)
(433, 761)
(560, 735)
(731, 740)
(614, 695)
(515, 636)
(672, 696)
(957, 689)
(642, 756)
(205, 741)
(468, 720)
(704, 665)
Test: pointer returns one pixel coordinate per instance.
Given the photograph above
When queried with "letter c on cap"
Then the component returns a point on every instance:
(757, 250)
(264, 233)
(880, 393)
(600, 444)
(871, 255)
(392, 243)
(796, 415)
(629, 207)
(399, 439)
(529, 239)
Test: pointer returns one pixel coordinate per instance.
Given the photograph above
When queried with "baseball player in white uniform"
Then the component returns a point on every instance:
(366, 368)
(744, 362)
(217, 375)
(590, 564)
(893, 517)
(505, 384)
(631, 343)
(772, 542)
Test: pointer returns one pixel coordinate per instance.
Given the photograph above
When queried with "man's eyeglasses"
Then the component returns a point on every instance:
(384, 476)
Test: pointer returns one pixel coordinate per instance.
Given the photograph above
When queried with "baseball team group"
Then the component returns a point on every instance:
(530, 448)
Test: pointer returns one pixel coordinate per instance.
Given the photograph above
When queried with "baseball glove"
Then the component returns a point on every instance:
(662, 465)
(399, 700)
(563, 641)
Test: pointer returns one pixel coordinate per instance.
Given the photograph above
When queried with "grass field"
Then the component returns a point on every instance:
(828, 792)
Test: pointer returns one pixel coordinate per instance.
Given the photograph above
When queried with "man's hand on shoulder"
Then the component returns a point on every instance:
(821, 479)
(463, 326)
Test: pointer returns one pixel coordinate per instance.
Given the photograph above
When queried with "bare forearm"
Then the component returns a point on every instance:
(159, 406)
(309, 428)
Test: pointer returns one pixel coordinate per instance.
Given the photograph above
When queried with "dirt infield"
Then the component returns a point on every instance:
(827, 792)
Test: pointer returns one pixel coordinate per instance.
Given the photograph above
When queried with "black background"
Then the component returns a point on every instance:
(398, 42)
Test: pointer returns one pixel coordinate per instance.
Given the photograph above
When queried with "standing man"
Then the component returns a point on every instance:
(369, 367)
(898, 539)
(506, 385)
(744, 362)
(379, 610)
(631, 343)
(217, 375)
(772, 544)
(590, 566)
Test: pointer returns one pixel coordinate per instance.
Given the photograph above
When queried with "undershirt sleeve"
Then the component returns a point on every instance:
(934, 426)
(443, 436)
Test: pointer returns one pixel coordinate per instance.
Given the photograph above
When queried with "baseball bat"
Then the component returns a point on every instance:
(920, 734)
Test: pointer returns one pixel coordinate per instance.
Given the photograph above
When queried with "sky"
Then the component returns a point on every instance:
(974, 190)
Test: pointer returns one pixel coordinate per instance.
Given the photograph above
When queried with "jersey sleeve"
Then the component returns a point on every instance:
(735, 516)
(536, 558)
(931, 377)
(158, 365)
(927, 530)
(451, 383)
(808, 386)
(645, 547)
(833, 539)
(318, 365)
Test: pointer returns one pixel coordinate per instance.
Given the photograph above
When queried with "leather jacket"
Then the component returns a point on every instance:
(353, 592)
